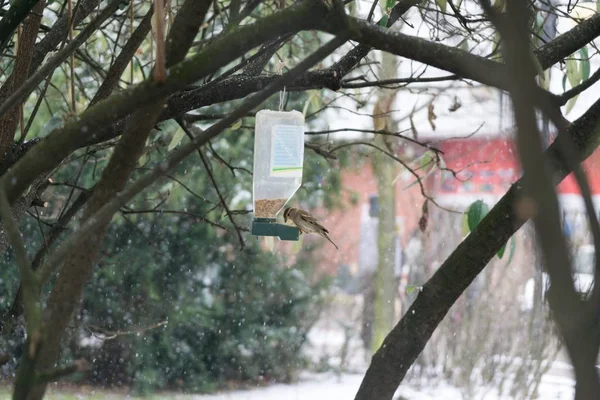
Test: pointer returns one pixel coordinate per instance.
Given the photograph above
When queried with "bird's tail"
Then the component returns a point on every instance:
(326, 236)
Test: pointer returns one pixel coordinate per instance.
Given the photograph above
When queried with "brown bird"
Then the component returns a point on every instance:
(306, 222)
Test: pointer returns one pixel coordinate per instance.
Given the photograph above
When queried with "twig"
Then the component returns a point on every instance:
(160, 72)
(372, 10)
(30, 281)
(187, 213)
(378, 132)
(569, 94)
(213, 181)
(105, 334)
(232, 168)
(57, 373)
(420, 182)
(71, 58)
(385, 83)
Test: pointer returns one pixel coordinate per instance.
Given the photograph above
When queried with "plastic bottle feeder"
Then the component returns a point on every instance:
(278, 160)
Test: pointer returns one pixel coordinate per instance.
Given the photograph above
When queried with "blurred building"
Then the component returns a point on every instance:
(477, 168)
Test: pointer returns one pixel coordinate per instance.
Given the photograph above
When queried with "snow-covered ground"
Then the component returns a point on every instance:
(344, 387)
(326, 339)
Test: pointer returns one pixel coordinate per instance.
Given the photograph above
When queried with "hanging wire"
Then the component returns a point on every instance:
(282, 93)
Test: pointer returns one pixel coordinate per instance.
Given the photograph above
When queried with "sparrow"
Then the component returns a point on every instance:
(306, 222)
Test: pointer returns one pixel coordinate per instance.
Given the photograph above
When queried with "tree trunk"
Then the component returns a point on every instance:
(384, 168)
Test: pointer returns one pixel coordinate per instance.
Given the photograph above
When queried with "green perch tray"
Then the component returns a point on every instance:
(270, 227)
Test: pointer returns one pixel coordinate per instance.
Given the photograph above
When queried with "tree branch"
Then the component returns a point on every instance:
(58, 373)
(568, 309)
(111, 80)
(18, 11)
(408, 338)
(52, 150)
(569, 94)
(213, 182)
(30, 281)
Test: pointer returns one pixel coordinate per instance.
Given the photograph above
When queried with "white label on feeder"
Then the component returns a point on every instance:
(287, 153)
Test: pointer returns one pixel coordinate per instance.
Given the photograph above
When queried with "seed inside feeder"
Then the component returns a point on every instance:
(268, 208)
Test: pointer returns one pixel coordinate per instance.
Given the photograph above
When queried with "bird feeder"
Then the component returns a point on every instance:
(278, 160)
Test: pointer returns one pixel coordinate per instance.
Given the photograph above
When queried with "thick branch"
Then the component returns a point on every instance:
(25, 46)
(77, 267)
(16, 14)
(116, 70)
(568, 309)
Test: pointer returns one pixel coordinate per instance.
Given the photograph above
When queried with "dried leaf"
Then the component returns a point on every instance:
(422, 224)
(456, 104)
(424, 217)
(412, 127)
(431, 115)
(379, 115)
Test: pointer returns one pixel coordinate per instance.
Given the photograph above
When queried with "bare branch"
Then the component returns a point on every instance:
(160, 73)
(213, 182)
(58, 373)
(569, 94)
(105, 334)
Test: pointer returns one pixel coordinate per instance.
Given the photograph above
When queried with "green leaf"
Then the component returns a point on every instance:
(501, 251)
(465, 225)
(143, 159)
(312, 100)
(390, 4)
(383, 21)
(426, 159)
(573, 73)
(463, 45)
(237, 125)
(584, 63)
(441, 4)
(544, 80)
(411, 288)
(421, 179)
(352, 8)
(177, 137)
(476, 212)
(571, 104)
(513, 247)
